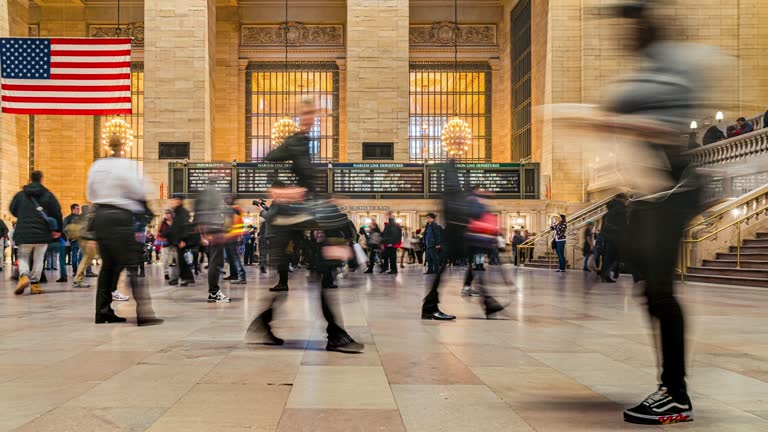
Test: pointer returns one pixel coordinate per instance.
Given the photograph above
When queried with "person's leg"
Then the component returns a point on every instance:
(38, 256)
(392, 259)
(165, 260)
(88, 256)
(239, 269)
(185, 270)
(62, 262)
(24, 252)
(429, 306)
(106, 282)
(215, 263)
(173, 253)
(561, 255)
(74, 257)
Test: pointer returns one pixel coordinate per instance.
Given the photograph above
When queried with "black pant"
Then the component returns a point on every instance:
(118, 249)
(248, 258)
(372, 251)
(391, 254)
(215, 266)
(419, 256)
(611, 260)
(657, 228)
(433, 260)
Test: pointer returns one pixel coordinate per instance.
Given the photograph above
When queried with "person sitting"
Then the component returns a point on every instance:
(713, 135)
(732, 131)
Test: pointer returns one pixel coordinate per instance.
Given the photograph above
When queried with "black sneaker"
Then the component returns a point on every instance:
(344, 344)
(660, 408)
(279, 288)
(166, 277)
(219, 297)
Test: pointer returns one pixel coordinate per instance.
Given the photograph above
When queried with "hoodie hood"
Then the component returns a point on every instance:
(35, 189)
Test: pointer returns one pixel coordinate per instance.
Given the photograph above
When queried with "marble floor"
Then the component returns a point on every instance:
(567, 358)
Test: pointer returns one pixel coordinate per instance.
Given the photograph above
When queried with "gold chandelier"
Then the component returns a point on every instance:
(456, 137)
(117, 129)
(282, 129)
(456, 134)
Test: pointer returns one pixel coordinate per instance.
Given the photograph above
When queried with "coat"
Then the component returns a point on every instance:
(296, 149)
(31, 227)
(392, 234)
(432, 235)
(180, 228)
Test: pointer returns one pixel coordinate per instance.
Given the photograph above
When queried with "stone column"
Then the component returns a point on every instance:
(179, 53)
(14, 129)
(343, 143)
(377, 75)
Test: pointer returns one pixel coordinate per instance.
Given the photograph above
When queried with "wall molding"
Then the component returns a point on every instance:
(441, 34)
(134, 30)
(298, 35)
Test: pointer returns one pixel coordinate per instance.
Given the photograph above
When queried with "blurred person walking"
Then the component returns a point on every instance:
(178, 234)
(234, 226)
(71, 231)
(210, 217)
(38, 223)
(87, 241)
(121, 214)
(4, 243)
(162, 239)
(391, 240)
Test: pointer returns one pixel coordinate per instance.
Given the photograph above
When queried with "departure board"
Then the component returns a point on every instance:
(498, 178)
(257, 178)
(200, 175)
(378, 178)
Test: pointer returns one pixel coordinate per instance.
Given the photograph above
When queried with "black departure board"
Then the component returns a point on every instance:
(378, 178)
(257, 178)
(200, 175)
(498, 178)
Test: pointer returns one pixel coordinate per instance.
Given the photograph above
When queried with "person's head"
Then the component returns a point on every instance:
(362, 231)
(307, 114)
(116, 146)
(590, 224)
(168, 214)
(229, 199)
(562, 218)
(177, 200)
(74, 209)
(36, 177)
(431, 217)
(517, 232)
(741, 121)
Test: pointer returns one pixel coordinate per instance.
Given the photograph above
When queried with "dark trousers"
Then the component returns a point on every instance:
(419, 256)
(560, 249)
(610, 260)
(489, 301)
(432, 299)
(118, 249)
(215, 266)
(391, 254)
(433, 260)
(248, 256)
(233, 258)
(372, 251)
(657, 228)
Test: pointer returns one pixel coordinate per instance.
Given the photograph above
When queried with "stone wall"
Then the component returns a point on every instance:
(377, 75)
(229, 140)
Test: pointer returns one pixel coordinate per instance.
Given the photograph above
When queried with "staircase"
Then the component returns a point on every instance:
(546, 261)
(752, 271)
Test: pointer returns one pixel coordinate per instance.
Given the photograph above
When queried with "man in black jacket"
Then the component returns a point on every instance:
(3, 245)
(178, 238)
(39, 223)
(391, 236)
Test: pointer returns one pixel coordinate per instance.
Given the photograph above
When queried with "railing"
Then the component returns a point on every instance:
(576, 221)
(732, 149)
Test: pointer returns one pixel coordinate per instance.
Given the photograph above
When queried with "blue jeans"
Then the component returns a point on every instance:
(62, 260)
(74, 257)
(433, 260)
(233, 258)
(586, 260)
(560, 248)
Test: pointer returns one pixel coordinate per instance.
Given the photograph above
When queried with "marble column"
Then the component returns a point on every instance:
(179, 57)
(377, 75)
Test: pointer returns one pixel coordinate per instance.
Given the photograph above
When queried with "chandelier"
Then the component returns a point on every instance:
(456, 137)
(117, 129)
(456, 134)
(282, 129)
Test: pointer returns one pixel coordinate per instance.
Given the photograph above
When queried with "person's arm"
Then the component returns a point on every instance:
(14, 207)
(281, 153)
(55, 212)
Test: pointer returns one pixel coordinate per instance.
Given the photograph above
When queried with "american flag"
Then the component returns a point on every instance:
(76, 76)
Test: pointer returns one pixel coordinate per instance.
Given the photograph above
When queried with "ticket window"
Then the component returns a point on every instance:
(517, 222)
(404, 220)
(364, 220)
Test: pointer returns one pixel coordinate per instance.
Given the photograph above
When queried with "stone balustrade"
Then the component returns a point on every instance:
(732, 149)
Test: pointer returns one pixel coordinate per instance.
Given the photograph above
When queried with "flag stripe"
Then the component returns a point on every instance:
(93, 65)
(91, 41)
(116, 76)
(87, 59)
(78, 71)
(81, 48)
(53, 111)
(69, 94)
(57, 99)
(118, 105)
(96, 53)
(63, 85)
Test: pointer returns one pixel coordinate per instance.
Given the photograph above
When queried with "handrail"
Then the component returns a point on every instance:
(757, 193)
(737, 223)
(731, 149)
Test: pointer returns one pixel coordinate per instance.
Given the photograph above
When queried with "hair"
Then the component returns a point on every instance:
(741, 119)
(36, 176)
(72, 207)
(431, 215)
(562, 216)
(115, 143)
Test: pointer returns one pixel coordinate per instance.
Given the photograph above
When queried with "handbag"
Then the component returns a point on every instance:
(53, 225)
(360, 256)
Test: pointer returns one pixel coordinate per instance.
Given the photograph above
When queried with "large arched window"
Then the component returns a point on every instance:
(136, 119)
(275, 92)
(437, 94)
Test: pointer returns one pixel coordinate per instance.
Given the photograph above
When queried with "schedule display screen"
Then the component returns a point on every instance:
(378, 178)
(200, 175)
(498, 178)
(257, 178)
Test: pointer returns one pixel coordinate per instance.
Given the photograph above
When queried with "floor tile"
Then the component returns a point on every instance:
(334, 420)
(426, 368)
(345, 387)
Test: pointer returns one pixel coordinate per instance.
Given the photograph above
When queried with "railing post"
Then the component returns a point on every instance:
(738, 245)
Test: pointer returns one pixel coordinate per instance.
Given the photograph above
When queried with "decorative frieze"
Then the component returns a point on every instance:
(134, 30)
(298, 34)
(441, 34)
(33, 30)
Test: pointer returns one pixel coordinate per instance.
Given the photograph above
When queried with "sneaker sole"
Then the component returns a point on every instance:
(684, 417)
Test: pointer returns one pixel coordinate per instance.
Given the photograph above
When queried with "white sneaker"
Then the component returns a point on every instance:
(117, 296)
(219, 297)
(467, 291)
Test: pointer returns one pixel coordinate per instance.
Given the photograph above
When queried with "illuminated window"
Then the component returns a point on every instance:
(521, 81)
(437, 94)
(136, 119)
(275, 92)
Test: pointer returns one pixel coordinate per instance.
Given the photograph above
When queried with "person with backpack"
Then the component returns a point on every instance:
(210, 211)
(38, 223)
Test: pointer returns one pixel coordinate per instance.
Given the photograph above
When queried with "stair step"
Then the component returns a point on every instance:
(726, 271)
(750, 249)
(762, 235)
(756, 264)
(745, 255)
(541, 265)
(755, 242)
(727, 280)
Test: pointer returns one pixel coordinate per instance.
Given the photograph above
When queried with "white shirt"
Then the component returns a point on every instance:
(117, 182)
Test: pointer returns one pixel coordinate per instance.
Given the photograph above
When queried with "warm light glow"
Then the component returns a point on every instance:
(282, 129)
(399, 221)
(736, 212)
(519, 221)
(117, 128)
(694, 125)
(456, 137)
(719, 116)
